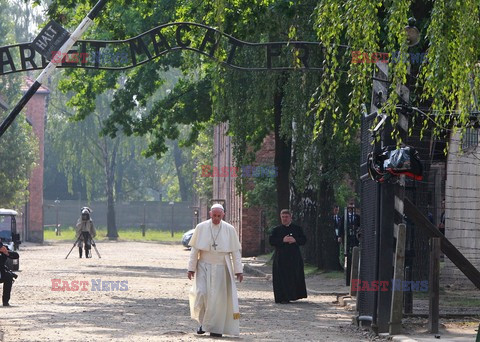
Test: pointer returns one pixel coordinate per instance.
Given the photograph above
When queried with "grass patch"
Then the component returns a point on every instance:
(267, 257)
(424, 294)
(459, 300)
(450, 298)
(308, 268)
(311, 270)
(68, 234)
(334, 274)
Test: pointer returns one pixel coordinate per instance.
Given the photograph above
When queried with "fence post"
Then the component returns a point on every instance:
(143, 225)
(408, 297)
(434, 285)
(355, 268)
(396, 313)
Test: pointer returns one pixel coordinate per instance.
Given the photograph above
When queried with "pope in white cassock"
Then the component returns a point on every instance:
(214, 260)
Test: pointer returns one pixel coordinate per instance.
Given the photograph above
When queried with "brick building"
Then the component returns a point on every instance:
(35, 112)
(249, 222)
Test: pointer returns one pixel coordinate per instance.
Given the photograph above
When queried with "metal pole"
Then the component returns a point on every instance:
(86, 22)
(95, 246)
(57, 227)
(172, 218)
(143, 225)
(56, 220)
(74, 244)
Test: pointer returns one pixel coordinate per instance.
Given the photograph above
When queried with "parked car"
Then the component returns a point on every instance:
(186, 238)
(9, 236)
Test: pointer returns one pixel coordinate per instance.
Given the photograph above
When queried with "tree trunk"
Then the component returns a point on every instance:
(118, 182)
(112, 233)
(303, 203)
(283, 150)
(177, 154)
(327, 258)
(307, 213)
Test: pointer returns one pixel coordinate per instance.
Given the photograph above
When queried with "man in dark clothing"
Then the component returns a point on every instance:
(288, 273)
(337, 222)
(6, 274)
(350, 227)
(441, 224)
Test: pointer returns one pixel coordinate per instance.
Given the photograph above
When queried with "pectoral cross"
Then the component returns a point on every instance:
(214, 245)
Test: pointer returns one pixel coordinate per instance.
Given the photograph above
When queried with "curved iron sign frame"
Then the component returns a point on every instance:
(208, 41)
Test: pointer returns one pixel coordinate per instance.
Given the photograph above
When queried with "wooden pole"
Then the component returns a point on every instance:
(396, 313)
(434, 286)
(455, 256)
(355, 269)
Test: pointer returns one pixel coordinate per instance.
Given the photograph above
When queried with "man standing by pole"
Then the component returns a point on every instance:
(213, 297)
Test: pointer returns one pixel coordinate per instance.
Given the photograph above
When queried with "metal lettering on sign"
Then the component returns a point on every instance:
(126, 54)
(50, 40)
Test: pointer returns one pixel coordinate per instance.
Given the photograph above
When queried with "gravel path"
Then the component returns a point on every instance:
(155, 306)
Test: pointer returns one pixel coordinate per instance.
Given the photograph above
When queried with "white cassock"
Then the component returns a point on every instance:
(213, 297)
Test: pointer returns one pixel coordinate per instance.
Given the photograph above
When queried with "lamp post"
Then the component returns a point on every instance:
(195, 212)
(171, 227)
(57, 227)
(143, 225)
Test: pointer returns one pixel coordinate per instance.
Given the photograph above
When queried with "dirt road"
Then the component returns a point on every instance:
(153, 305)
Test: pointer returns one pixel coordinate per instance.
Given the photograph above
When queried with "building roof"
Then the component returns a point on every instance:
(28, 83)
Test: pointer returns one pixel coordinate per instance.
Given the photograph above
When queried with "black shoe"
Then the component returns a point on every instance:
(200, 331)
(6, 304)
(285, 302)
(215, 335)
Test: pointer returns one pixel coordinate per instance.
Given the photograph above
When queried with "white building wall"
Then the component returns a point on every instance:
(462, 208)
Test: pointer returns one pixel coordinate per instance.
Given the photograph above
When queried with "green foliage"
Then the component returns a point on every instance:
(324, 109)
(343, 194)
(448, 79)
(356, 22)
(451, 77)
(202, 156)
(76, 149)
(206, 91)
(18, 152)
(18, 148)
(261, 196)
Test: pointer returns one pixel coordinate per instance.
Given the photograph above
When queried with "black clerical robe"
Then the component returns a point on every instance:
(288, 274)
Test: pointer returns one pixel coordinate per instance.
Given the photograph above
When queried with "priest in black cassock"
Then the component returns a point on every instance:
(288, 274)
